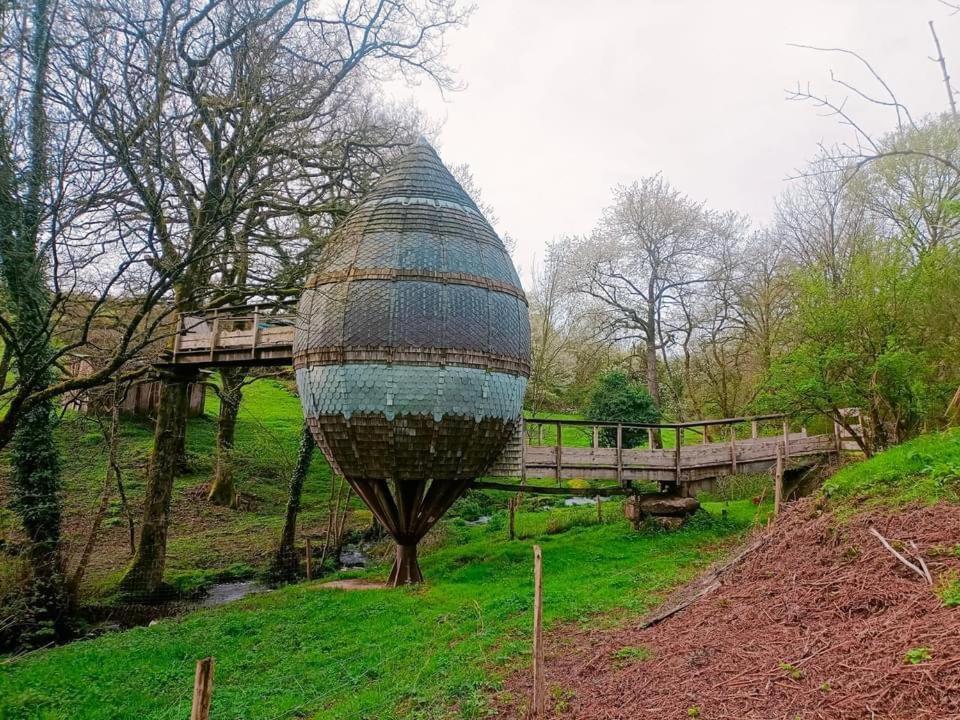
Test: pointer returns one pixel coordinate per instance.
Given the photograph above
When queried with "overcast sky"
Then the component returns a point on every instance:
(566, 99)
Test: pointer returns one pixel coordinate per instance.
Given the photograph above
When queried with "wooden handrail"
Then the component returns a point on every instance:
(654, 426)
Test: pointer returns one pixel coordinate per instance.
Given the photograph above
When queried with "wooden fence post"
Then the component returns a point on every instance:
(649, 438)
(309, 559)
(538, 701)
(754, 429)
(706, 437)
(786, 437)
(596, 437)
(778, 481)
(202, 689)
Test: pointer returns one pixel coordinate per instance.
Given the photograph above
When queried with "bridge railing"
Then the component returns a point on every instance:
(665, 451)
(234, 334)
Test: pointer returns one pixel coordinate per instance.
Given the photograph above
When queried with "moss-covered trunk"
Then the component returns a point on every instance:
(222, 489)
(145, 576)
(286, 563)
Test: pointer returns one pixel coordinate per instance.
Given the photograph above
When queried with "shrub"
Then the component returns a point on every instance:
(617, 397)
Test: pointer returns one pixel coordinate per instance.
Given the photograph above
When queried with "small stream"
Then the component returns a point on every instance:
(223, 593)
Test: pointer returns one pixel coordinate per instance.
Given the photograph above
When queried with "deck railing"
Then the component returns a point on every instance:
(244, 333)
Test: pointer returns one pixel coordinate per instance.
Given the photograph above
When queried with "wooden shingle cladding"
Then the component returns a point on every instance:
(412, 348)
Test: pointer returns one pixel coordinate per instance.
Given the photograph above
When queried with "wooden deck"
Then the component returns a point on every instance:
(245, 335)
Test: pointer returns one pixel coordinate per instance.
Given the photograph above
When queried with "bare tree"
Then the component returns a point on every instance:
(820, 220)
(552, 325)
(652, 248)
(218, 117)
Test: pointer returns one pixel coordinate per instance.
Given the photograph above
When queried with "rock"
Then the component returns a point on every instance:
(669, 522)
(671, 505)
(669, 511)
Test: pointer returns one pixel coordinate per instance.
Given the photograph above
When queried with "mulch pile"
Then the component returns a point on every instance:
(817, 622)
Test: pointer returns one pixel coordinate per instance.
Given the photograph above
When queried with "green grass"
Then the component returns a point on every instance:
(435, 651)
(926, 469)
(206, 543)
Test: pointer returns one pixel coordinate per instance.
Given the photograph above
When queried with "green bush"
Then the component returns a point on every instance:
(617, 397)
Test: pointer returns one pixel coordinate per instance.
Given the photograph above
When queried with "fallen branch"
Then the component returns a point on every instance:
(901, 558)
(707, 583)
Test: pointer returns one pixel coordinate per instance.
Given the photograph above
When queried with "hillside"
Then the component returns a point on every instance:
(433, 651)
(819, 621)
(206, 541)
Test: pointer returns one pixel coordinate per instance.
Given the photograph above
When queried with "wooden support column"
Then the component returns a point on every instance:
(786, 438)
(650, 438)
(778, 481)
(705, 438)
(754, 429)
(596, 437)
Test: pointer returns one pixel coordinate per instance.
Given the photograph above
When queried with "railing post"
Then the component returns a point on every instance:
(620, 454)
(705, 438)
(256, 334)
(679, 438)
(733, 448)
(176, 338)
(786, 438)
(754, 429)
(650, 438)
(559, 453)
(214, 336)
(596, 437)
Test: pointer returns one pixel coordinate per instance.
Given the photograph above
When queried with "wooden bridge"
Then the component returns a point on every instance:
(695, 452)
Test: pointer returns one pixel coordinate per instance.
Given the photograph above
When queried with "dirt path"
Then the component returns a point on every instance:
(817, 623)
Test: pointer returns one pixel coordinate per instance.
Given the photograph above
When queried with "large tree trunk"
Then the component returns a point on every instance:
(145, 576)
(222, 490)
(286, 563)
(653, 380)
(36, 485)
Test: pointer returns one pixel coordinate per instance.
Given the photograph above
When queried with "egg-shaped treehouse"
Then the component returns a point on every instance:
(412, 349)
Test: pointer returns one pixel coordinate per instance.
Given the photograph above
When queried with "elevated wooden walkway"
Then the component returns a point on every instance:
(723, 447)
(262, 334)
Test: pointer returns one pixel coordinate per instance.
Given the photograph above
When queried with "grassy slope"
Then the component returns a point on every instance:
(926, 469)
(204, 540)
(307, 652)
